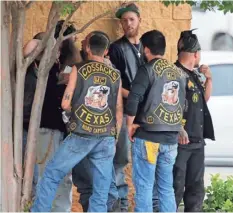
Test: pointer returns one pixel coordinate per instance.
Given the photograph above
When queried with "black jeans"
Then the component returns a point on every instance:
(189, 178)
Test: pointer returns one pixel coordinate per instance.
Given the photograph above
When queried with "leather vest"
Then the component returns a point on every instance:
(95, 98)
(131, 60)
(163, 108)
(197, 120)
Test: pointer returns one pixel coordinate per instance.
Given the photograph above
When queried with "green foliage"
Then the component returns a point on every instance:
(67, 7)
(222, 5)
(219, 195)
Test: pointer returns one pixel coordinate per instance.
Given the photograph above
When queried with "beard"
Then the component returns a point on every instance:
(132, 33)
(196, 65)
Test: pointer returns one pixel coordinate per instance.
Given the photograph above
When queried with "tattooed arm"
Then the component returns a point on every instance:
(119, 111)
(68, 95)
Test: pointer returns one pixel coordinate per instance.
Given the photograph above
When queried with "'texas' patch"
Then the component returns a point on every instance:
(94, 67)
(169, 117)
(93, 119)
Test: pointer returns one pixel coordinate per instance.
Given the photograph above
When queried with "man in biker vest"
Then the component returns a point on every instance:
(93, 101)
(189, 166)
(155, 108)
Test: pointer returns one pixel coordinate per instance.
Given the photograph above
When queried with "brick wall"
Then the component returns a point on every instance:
(170, 20)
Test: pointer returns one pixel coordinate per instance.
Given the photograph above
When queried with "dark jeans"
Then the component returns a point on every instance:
(189, 178)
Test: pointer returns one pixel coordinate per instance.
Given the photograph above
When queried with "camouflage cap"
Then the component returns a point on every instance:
(127, 8)
(188, 42)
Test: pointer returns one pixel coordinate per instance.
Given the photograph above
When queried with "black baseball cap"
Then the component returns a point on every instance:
(188, 42)
(127, 8)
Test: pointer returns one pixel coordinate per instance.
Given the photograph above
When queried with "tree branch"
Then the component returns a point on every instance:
(93, 20)
(51, 24)
(29, 4)
(18, 112)
(64, 26)
(87, 25)
(21, 4)
(13, 43)
(44, 68)
(20, 34)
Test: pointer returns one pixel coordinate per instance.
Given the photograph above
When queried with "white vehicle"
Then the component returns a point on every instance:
(220, 152)
(215, 29)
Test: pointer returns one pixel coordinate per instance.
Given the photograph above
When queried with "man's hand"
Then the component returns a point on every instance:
(63, 78)
(206, 71)
(208, 84)
(183, 137)
(131, 131)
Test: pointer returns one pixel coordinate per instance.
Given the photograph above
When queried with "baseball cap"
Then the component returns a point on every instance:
(127, 8)
(188, 42)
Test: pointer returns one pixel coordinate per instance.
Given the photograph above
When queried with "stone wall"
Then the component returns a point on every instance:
(170, 20)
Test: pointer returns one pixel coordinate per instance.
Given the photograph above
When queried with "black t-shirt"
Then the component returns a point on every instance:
(51, 112)
(51, 116)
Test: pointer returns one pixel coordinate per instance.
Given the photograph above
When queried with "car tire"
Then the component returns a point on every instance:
(223, 42)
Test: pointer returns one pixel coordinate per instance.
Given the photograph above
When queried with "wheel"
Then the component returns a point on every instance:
(223, 42)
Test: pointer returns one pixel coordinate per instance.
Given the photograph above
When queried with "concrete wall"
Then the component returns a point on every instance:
(170, 20)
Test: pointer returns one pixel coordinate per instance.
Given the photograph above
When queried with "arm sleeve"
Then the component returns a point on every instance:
(137, 92)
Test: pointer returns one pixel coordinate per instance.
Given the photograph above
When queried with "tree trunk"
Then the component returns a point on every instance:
(18, 109)
(30, 157)
(13, 43)
(6, 117)
(46, 63)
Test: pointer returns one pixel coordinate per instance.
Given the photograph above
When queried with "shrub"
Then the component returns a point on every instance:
(219, 195)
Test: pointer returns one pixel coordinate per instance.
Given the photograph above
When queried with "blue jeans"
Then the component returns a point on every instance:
(82, 177)
(75, 148)
(144, 174)
(48, 143)
(155, 199)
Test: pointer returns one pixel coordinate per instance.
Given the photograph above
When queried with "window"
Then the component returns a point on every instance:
(222, 75)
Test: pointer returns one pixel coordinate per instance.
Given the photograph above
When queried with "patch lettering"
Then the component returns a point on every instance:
(94, 67)
(162, 65)
(93, 119)
(169, 117)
